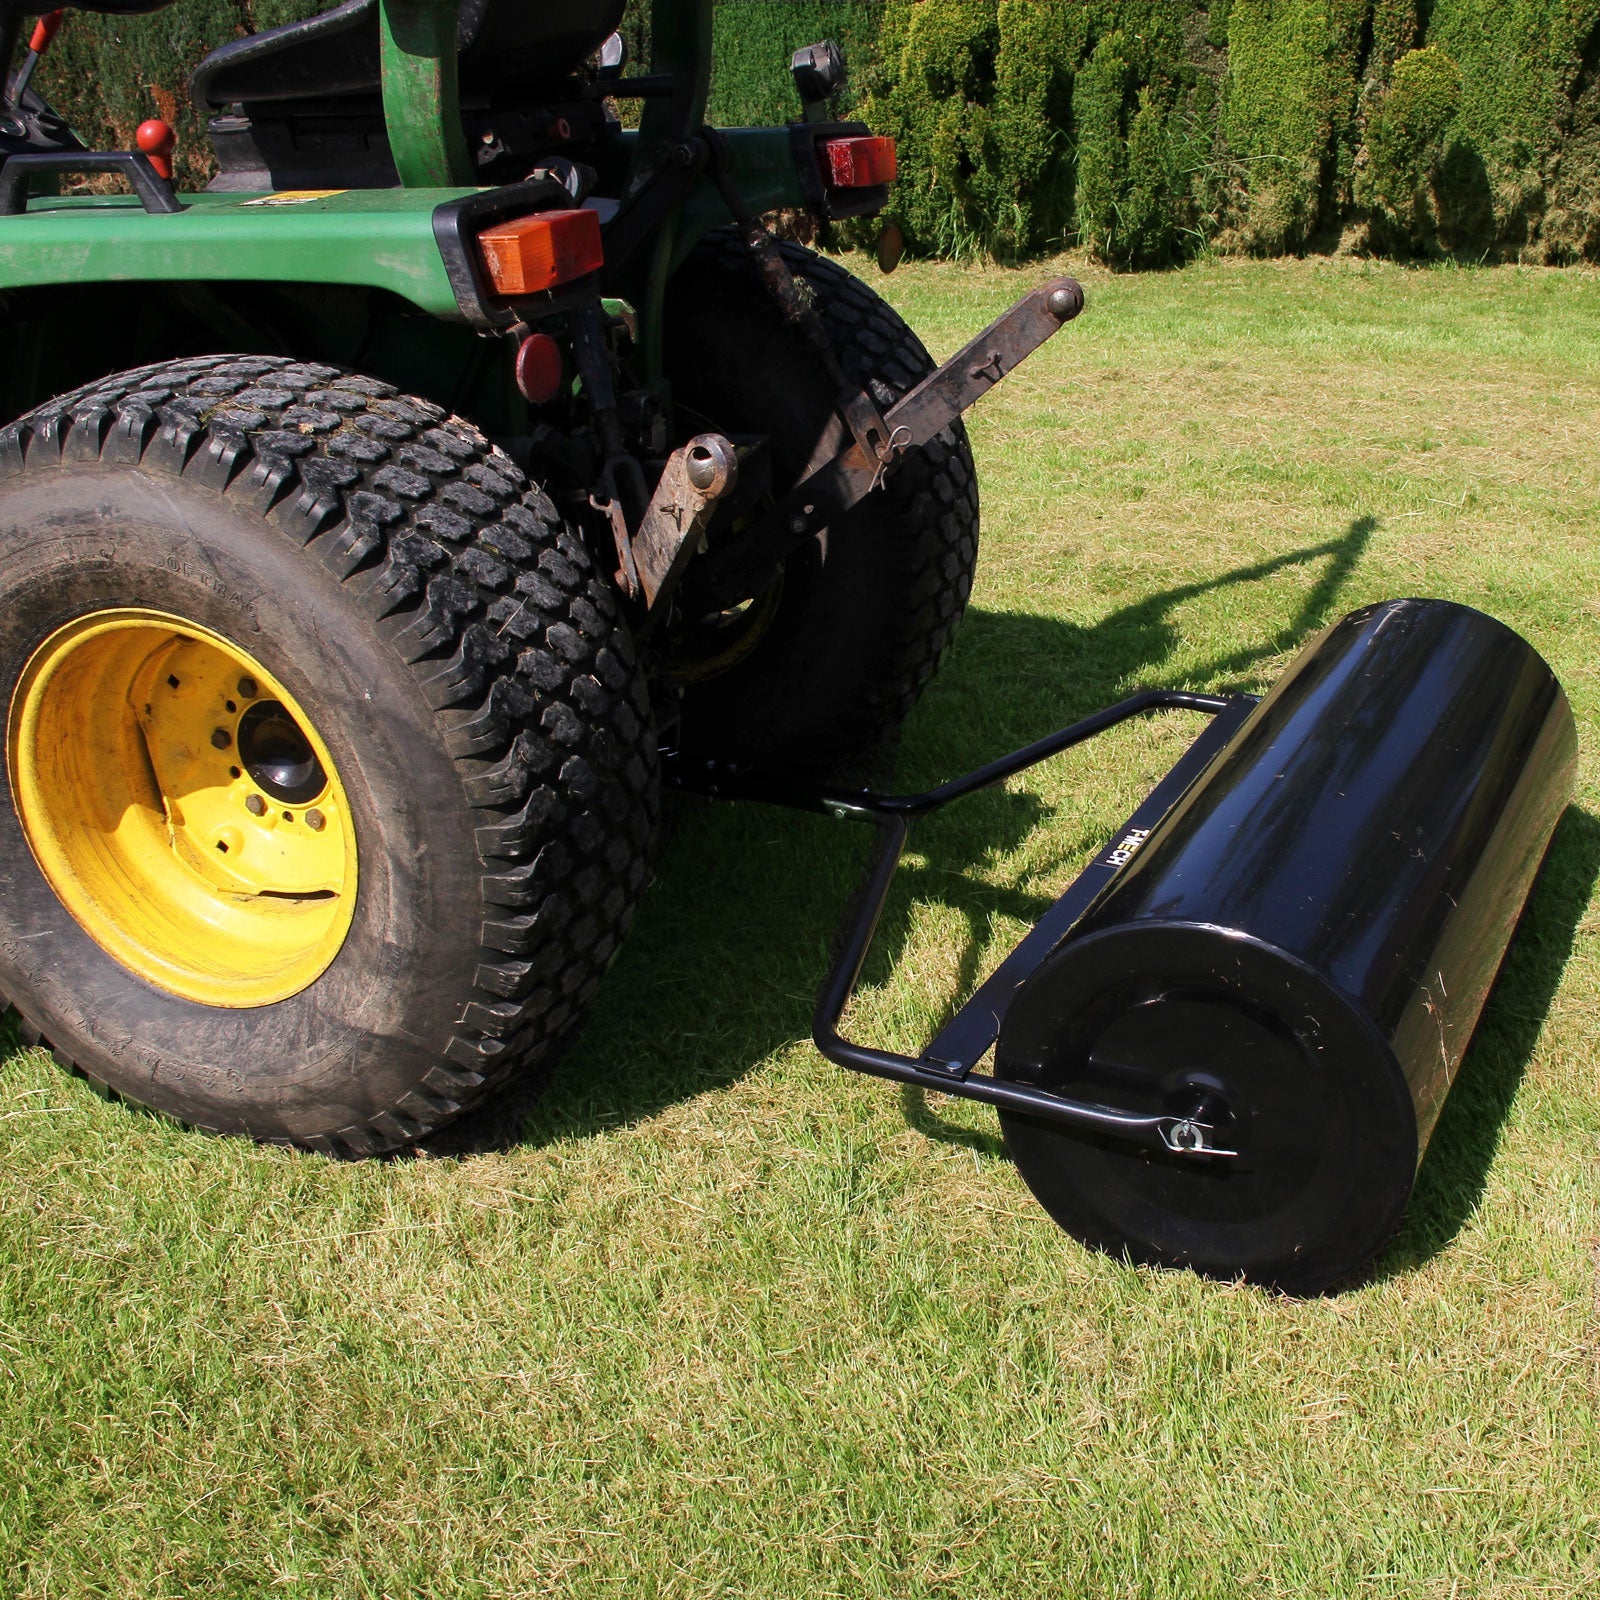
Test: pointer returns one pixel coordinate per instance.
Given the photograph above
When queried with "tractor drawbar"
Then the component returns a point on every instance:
(1226, 1046)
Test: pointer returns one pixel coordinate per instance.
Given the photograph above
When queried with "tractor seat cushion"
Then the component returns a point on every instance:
(335, 55)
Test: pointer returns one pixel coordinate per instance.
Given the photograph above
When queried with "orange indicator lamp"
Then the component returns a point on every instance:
(531, 254)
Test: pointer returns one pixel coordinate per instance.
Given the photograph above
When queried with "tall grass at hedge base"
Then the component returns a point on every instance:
(1141, 147)
(932, 92)
(1405, 181)
(1288, 116)
(1571, 224)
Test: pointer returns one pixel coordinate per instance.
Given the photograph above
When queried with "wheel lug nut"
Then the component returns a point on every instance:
(255, 805)
(315, 820)
(221, 738)
(247, 688)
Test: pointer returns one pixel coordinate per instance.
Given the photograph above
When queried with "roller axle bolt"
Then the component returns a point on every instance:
(315, 820)
(255, 805)
(247, 688)
(221, 738)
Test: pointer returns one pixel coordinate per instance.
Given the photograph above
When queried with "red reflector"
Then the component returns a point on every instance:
(859, 163)
(539, 368)
(536, 253)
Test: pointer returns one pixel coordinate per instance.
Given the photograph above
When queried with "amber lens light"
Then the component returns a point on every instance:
(859, 163)
(532, 254)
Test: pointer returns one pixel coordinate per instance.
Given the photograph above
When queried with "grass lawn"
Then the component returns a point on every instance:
(731, 1322)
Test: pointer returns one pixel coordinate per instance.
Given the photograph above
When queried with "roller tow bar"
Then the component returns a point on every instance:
(1226, 1045)
(946, 1066)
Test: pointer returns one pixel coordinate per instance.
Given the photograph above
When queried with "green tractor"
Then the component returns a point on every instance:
(372, 519)
(383, 527)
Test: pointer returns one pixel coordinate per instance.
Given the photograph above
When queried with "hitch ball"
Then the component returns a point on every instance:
(1065, 301)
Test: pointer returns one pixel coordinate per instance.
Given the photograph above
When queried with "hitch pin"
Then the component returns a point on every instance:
(890, 454)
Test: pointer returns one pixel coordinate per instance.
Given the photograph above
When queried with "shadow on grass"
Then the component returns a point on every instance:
(1456, 1167)
(722, 966)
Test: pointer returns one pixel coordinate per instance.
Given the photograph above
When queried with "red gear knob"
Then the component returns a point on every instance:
(156, 139)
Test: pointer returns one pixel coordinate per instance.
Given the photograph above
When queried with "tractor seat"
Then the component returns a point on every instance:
(334, 56)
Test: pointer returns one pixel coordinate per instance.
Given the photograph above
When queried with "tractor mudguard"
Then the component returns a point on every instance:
(374, 238)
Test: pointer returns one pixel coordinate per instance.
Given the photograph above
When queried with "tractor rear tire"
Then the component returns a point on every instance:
(832, 658)
(330, 772)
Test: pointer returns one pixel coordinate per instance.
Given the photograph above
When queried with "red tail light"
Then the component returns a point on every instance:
(859, 163)
(536, 253)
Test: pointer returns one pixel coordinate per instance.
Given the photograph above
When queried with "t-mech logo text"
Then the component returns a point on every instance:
(1127, 847)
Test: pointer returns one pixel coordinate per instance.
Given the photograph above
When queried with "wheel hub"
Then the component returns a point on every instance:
(278, 756)
(182, 807)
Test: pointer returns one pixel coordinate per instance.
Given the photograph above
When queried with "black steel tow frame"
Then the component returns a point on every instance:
(946, 1065)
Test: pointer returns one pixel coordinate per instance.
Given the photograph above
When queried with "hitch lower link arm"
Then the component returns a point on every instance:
(746, 565)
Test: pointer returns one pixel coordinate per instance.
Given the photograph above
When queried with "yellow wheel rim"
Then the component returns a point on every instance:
(183, 807)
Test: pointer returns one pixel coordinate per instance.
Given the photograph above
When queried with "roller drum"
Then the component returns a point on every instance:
(1298, 953)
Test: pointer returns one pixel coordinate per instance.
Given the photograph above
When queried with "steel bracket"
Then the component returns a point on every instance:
(672, 531)
(744, 567)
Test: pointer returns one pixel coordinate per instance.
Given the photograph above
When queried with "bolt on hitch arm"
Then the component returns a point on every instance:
(746, 565)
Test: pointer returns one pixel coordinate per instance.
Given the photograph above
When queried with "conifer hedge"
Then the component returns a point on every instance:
(1146, 129)
(1150, 129)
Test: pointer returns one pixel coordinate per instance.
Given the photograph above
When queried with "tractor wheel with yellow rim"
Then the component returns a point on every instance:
(329, 766)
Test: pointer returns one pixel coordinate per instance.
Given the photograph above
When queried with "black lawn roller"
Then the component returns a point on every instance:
(1226, 1045)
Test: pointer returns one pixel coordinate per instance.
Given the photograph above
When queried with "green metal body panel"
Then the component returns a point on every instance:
(374, 238)
(420, 106)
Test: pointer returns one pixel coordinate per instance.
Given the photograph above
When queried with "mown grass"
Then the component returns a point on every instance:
(728, 1322)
